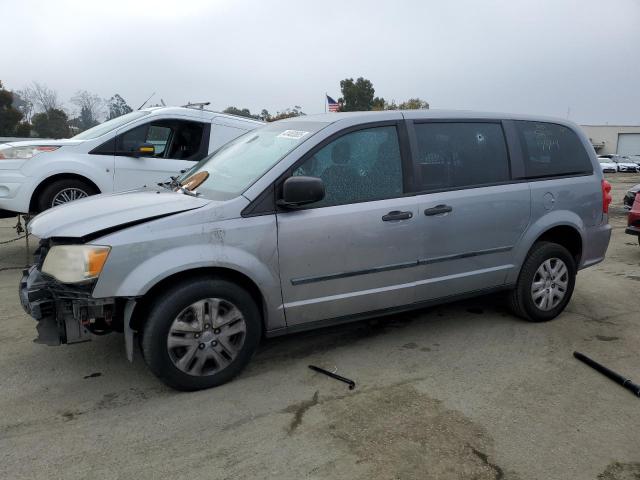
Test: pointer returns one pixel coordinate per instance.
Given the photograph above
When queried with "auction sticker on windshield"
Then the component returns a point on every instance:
(293, 134)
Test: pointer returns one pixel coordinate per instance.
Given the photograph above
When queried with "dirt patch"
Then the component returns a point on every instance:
(621, 471)
(605, 338)
(402, 433)
(299, 409)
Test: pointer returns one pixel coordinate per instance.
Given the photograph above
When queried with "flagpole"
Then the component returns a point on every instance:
(325, 102)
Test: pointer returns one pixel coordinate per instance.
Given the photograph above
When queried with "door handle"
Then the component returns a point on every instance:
(437, 210)
(397, 215)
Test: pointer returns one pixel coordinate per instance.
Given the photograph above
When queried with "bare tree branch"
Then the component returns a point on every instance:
(90, 108)
(41, 96)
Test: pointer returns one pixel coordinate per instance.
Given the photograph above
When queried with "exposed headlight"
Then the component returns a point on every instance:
(75, 263)
(24, 153)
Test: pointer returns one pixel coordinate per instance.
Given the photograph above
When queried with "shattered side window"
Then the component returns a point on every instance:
(357, 167)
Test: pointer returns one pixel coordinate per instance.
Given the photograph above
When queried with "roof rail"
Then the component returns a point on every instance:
(198, 105)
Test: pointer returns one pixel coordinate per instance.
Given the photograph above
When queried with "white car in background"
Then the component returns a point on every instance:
(140, 148)
(624, 164)
(607, 165)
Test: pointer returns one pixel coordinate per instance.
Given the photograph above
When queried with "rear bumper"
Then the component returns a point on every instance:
(596, 242)
(633, 231)
(65, 314)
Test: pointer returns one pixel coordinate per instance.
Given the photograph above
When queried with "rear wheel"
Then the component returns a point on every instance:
(63, 191)
(545, 284)
(201, 333)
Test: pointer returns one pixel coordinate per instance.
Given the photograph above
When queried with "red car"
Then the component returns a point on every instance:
(633, 223)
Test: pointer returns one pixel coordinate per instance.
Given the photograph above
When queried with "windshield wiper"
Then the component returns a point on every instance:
(171, 184)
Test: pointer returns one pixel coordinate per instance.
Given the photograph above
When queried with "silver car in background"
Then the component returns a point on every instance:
(321, 220)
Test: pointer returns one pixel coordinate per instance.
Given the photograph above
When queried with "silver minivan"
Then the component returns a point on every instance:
(321, 220)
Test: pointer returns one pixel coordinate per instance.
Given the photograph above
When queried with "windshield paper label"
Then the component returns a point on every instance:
(293, 134)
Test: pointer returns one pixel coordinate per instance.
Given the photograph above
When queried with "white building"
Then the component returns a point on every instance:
(621, 139)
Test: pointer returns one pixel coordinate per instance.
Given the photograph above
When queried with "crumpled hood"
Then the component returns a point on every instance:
(101, 212)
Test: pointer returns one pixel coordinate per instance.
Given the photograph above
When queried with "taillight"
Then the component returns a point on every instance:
(606, 196)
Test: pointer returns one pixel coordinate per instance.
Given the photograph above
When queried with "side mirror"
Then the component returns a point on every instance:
(144, 150)
(297, 191)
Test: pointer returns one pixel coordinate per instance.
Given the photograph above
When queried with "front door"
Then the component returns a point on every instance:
(356, 250)
(470, 214)
(179, 144)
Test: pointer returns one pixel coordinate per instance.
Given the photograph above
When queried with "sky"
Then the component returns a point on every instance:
(575, 59)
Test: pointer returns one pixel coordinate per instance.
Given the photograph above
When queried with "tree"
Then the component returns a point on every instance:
(265, 115)
(241, 112)
(9, 116)
(414, 104)
(41, 97)
(117, 107)
(356, 96)
(286, 113)
(23, 129)
(379, 103)
(23, 104)
(53, 123)
(90, 106)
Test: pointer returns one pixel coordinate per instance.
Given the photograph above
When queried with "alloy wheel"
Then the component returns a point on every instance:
(550, 284)
(206, 336)
(68, 195)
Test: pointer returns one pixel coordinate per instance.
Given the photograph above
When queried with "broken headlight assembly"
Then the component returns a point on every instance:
(75, 263)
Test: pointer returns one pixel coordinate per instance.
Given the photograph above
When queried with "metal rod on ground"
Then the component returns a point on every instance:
(349, 382)
(616, 377)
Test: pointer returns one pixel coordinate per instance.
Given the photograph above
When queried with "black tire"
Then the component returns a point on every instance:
(170, 304)
(520, 299)
(47, 195)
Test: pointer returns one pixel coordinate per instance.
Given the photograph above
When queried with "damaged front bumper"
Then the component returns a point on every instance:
(66, 313)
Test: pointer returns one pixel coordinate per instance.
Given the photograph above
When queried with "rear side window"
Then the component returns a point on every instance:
(551, 150)
(459, 155)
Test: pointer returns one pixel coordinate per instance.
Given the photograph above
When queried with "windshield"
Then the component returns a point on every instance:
(110, 125)
(237, 165)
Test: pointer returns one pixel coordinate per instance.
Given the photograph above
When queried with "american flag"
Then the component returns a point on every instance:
(333, 105)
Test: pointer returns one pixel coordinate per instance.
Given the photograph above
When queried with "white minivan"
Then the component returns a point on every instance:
(140, 148)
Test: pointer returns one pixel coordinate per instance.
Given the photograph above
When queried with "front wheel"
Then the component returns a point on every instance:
(545, 284)
(63, 191)
(201, 333)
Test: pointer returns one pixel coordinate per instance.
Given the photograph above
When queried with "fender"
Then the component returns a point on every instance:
(535, 230)
(132, 269)
(97, 172)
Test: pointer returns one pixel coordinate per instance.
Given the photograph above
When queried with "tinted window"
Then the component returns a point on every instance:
(551, 150)
(357, 167)
(454, 155)
(171, 139)
(158, 136)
